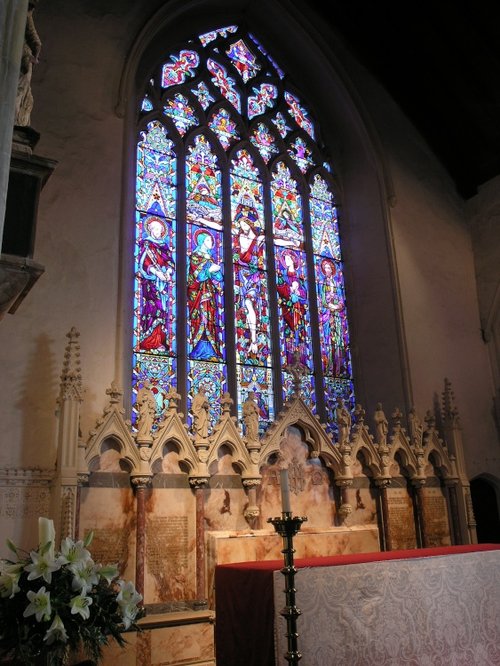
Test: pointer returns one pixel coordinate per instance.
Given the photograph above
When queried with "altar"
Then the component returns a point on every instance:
(419, 607)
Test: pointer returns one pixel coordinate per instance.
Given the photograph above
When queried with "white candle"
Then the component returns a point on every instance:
(285, 491)
(46, 533)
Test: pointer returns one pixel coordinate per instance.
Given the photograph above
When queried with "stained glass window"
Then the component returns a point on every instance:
(238, 264)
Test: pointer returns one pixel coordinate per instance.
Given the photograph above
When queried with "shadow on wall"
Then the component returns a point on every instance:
(484, 494)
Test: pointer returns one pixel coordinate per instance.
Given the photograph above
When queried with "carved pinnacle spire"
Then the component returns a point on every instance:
(298, 370)
(449, 410)
(71, 375)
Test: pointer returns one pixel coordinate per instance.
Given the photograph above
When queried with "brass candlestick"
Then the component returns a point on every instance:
(287, 527)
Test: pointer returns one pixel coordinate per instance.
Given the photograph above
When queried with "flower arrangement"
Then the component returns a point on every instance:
(53, 604)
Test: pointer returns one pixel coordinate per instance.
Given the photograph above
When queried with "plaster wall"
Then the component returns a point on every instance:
(380, 160)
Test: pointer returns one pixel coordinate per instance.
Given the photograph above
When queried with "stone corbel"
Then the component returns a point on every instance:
(345, 508)
(252, 511)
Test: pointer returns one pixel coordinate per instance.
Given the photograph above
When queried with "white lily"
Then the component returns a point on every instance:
(39, 605)
(42, 565)
(80, 605)
(127, 594)
(56, 632)
(85, 576)
(9, 585)
(73, 553)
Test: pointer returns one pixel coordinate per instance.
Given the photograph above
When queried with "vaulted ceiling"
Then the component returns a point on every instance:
(440, 61)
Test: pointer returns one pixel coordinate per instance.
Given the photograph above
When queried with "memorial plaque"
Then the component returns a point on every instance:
(401, 519)
(167, 555)
(435, 514)
(24, 502)
(110, 545)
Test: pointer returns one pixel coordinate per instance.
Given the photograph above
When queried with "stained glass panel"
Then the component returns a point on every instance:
(333, 329)
(280, 121)
(287, 209)
(155, 285)
(205, 295)
(259, 381)
(180, 68)
(212, 378)
(299, 114)
(203, 95)
(325, 231)
(293, 303)
(224, 126)
(159, 373)
(264, 97)
(225, 83)
(181, 113)
(203, 185)
(223, 32)
(301, 154)
(264, 141)
(243, 60)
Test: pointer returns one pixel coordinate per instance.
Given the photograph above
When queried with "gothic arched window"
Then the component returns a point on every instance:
(238, 269)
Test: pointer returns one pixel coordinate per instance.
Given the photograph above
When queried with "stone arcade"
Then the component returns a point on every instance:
(169, 505)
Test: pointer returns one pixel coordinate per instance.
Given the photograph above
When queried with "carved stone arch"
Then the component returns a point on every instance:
(186, 457)
(240, 456)
(370, 458)
(297, 413)
(112, 427)
(406, 461)
(439, 461)
(173, 429)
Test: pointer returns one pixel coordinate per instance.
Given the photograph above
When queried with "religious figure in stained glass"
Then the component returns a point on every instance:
(290, 285)
(156, 269)
(248, 256)
(203, 187)
(331, 306)
(203, 284)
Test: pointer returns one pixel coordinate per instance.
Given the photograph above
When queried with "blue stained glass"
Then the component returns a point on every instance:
(334, 389)
(212, 378)
(205, 300)
(155, 182)
(146, 105)
(203, 95)
(181, 113)
(259, 381)
(159, 373)
(264, 97)
(307, 391)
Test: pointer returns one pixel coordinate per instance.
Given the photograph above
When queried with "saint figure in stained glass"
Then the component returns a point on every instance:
(156, 270)
(203, 284)
(290, 284)
(332, 320)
